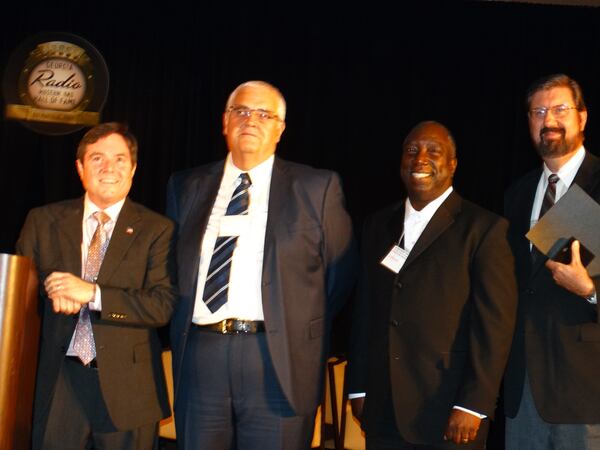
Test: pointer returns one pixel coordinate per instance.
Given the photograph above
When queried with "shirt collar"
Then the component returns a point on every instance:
(259, 175)
(429, 210)
(568, 171)
(113, 211)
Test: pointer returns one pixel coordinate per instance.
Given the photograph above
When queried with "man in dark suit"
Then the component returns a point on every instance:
(265, 259)
(552, 383)
(435, 309)
(102, 387)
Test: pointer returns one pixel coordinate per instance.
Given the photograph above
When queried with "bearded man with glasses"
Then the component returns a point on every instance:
(552, 382)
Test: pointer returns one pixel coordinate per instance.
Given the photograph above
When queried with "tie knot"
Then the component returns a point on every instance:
(101, 217)
(245, 179)
(553, 178)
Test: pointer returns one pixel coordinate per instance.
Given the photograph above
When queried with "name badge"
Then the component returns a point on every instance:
(395, 259)
(233, 225)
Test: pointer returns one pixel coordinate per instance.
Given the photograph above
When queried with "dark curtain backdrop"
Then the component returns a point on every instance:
(356, 79)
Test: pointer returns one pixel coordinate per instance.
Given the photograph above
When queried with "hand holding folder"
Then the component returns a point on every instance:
(575, 216)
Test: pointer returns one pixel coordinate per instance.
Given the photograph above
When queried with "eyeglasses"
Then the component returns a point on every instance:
(558, 111)
(243, 113)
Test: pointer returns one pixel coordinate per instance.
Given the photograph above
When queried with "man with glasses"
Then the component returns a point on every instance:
(265, 259)
(552, 382)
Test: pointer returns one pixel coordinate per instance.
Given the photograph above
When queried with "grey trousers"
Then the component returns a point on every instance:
(528, 431)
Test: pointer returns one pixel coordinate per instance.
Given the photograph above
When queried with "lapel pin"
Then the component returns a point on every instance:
(129, 230)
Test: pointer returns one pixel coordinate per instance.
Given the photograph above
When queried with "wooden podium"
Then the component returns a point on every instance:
(19, 337)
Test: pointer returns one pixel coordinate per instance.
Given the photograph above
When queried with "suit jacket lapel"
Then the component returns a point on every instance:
(194, 220)
(440, 221)
(124, 233)
(524, 224)
(396, 223)
(68, 232)
(587, 175)
(279, 195)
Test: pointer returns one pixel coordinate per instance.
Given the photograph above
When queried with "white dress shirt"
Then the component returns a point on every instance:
(566, 175)
(244, 299)
(89, 224)
(416, 221)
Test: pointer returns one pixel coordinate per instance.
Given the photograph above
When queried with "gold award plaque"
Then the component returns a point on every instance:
(55, 86)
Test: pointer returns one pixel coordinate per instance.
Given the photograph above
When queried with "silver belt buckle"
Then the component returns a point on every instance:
(242, 326)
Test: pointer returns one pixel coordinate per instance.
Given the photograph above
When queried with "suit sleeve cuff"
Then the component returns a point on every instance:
(96, 303)
(356, 395)
(476, 414)
(593, 299)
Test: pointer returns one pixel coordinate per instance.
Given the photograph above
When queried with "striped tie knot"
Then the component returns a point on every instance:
(240, 199)
(549, 195)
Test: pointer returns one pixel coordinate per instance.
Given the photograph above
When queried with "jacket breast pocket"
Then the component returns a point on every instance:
(299, 244)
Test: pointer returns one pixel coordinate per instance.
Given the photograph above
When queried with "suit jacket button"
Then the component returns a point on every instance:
(529, 291)
(398, 284)
(396, 358)
(394, 322)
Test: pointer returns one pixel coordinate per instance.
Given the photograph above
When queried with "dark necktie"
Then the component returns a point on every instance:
(549, 195)
(547, 203)
(83, 345)
(217, 278)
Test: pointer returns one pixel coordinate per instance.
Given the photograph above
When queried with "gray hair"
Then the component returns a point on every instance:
(256, 83)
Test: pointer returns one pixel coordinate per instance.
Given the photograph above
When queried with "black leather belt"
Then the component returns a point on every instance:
(91, 365)
(234, 326)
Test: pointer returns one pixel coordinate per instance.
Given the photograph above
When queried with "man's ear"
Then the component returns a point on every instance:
(79, 166)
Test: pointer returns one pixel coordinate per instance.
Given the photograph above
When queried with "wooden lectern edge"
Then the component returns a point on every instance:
(19, 341)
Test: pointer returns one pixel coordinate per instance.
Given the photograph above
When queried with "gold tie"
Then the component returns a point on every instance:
(83, 344)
